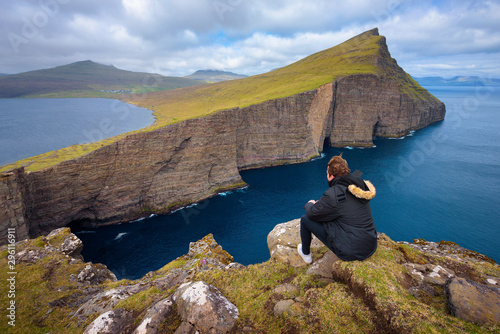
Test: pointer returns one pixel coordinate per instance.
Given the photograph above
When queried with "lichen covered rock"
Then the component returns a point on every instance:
(105, 301)
(155, 316)
(111, 322)
(429, 273)
(473, 302)
(207, 248)
(283, 240)
(205, 307)
(95, 274)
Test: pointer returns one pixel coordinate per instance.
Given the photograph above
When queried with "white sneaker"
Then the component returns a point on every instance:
(307, 258)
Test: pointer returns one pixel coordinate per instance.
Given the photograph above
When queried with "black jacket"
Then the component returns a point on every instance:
(345, 211)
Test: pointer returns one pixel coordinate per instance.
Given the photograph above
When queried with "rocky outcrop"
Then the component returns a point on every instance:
(94, 302)
(205, 308)
(474, 302)
(403, 287)
(201, 307)
(161, 170)
(469, 295)
(283, 240)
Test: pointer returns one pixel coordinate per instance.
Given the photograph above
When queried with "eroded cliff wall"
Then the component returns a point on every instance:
(368, 106)
(161, 170)
(12, 214)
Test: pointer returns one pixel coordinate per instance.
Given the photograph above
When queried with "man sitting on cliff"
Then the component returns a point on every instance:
(341, 218)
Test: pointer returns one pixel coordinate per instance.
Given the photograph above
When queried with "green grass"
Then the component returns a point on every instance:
(37, 286)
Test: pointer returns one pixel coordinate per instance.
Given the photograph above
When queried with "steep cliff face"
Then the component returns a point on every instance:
(369, 105)
(276, 132)
(12, 215)
(185, 162)
(161, 170)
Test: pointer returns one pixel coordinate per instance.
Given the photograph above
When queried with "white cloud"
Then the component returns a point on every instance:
(480, 64)
(438, 31)
(141, 9)
(89, 25)
(249, 37)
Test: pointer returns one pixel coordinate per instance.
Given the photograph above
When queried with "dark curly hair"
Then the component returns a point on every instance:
(338, 167)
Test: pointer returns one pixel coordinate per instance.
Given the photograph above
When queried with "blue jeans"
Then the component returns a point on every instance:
(308, 226)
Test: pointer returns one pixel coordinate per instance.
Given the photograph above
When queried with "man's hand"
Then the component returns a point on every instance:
(312, 201)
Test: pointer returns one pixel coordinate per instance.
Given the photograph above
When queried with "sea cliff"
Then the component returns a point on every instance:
(181, 163)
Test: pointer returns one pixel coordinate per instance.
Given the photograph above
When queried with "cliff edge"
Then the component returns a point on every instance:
(419, 287)
(342, 96)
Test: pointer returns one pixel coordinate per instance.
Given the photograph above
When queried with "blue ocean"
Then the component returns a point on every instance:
(438, 183)
(29, 127)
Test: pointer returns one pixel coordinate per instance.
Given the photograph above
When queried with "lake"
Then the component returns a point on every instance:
(29, 127)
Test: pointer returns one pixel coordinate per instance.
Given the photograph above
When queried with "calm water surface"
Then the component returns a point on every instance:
(440, 183)
(29, 127)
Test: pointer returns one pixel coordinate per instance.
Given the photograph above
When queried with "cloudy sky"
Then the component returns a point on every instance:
(177, 37)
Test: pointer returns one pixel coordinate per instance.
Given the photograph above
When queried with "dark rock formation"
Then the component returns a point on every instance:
(12, 213)
(185, 162)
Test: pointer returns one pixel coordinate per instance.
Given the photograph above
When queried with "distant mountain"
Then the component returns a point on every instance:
(3, 74)
(86, 79)
(214, 75)
(457, 81)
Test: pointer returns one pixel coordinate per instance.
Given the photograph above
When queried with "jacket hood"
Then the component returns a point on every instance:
(361, 189)
(363, 194)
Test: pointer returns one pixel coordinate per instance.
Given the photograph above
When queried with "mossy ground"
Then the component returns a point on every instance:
(43, 291)
(368, 296)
